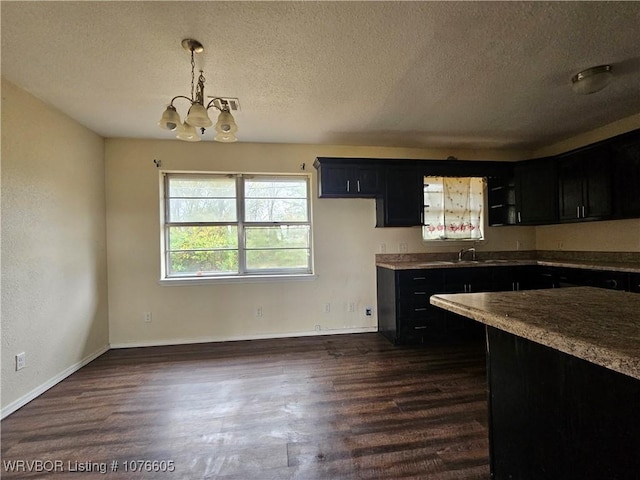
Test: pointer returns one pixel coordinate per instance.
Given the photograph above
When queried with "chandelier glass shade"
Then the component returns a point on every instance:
(197, 115)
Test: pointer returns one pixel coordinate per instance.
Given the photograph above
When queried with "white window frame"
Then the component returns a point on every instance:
(243, 273)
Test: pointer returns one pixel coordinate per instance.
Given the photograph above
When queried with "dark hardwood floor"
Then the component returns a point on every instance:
(330, 407)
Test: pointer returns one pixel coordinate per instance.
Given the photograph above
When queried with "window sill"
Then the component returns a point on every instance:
(183, 282)
(450, 241)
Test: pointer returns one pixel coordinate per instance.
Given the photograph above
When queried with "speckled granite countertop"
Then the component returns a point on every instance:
(428, 264)
(597, 325)
(420, 265)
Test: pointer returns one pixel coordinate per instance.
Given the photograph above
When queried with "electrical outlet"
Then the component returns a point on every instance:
(147, 317)
(368, 311)
(258, 311)
(383, 248)
(404, 248)
(327, 308)
(21, 361)
(352, 307)
(318, 328)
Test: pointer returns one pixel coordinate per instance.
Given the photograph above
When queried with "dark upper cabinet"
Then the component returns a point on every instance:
(339, 178)
(536, 191)
(400, 205)
(584, 184)
(626, 175)
(501, 199)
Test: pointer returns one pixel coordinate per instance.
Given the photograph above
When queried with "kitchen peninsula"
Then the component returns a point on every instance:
(563, 370)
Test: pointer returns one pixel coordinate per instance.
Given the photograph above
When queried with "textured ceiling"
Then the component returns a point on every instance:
(464, 74)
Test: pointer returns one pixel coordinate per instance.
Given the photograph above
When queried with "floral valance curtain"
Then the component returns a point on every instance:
(453, 208)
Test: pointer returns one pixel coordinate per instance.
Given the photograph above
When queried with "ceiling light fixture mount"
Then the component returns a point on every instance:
(197, 116)
(592, 79)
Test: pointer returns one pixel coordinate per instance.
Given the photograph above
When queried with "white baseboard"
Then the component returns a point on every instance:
(184, 341)
(22, 401)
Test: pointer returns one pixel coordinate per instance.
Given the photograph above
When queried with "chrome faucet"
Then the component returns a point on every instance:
(465, 250)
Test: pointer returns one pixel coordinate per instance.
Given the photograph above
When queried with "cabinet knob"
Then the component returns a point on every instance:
(611, 283)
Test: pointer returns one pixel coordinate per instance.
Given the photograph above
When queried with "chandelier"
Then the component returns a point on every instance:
(197, 116)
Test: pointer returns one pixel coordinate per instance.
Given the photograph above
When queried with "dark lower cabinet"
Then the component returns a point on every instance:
(560, 277)
(405, 315)
(554, 416)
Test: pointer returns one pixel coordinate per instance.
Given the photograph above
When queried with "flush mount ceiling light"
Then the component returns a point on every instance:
(197, 116)
(592, 79)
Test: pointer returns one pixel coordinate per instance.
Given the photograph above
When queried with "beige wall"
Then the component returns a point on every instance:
(611, 236)
(345, 241)
(54, 289)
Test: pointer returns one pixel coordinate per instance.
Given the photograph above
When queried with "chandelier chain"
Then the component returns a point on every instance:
(193, 75)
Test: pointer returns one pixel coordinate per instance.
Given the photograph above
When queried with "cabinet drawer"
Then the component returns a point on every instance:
(408, 280)
(416, 305)
(423, 329)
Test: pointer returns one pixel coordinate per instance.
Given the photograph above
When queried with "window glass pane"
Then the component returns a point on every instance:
(191, 187)
(273, 259)
(202, 210)
(275, 188)
(277, 237)
(276, 200)
(281, 247)
(202, 263)
(203, 238)
(275, 210)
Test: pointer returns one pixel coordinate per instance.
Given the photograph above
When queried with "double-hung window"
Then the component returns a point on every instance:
(219, 225)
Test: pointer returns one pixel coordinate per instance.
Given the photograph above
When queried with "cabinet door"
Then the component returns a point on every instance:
(584, 185)
(365, 181)
(529, 277)
(626, 175)
(347, 179)
(570, 184)
(468, 279)
(401, 203)
(536, 191)
(334, 180)
(597, 184)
